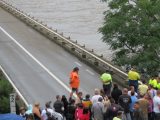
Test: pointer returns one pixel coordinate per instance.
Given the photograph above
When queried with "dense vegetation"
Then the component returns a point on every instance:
(132, 29)
(5, 90)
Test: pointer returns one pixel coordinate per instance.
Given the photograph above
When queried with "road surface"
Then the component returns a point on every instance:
(38, 67)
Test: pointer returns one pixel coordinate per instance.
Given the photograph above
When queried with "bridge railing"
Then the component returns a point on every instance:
(73, 47)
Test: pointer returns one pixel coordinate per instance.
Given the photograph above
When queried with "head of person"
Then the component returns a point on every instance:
(112, 100)
(150, 87)
(119, 114)
(158, 78)
(143, 81)
(30, 117)
(85, 110)
(147, 96)
(96, 91)
(22, 110)
(64, 98)
(115, 86)
(131, 88)
(133, 68)
(58, 97)
(48, 104)
(87, 96)
(125, 91)
(158, 93)
(106, 98)
(100, 99)
(80, 105)
(37, 104)
(109, 71)
(141, 96)
(102, 93)
(76, 69)
(72, 101)
(80, 94)
(136, 106)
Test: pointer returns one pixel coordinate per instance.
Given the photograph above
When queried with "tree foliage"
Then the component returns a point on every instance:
(5, 90)
(132, 29)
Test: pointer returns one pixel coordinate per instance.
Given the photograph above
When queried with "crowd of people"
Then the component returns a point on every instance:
(136, 102)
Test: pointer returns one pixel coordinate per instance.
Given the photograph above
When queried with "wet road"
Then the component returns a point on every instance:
(79, 19)
(38, 67)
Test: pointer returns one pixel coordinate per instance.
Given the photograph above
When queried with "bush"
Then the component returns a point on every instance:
(5, 90)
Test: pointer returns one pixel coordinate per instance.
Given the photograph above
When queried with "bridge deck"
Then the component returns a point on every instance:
(36, 65)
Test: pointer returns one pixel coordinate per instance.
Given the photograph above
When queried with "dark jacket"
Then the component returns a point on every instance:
(65, 103)
(71, 112)
(124, 101)
(116, 92)
(58, 106)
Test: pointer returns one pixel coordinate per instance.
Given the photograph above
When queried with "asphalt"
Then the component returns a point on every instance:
(38, 67)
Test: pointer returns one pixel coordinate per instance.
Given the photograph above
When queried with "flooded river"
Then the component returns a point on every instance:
(79, 19)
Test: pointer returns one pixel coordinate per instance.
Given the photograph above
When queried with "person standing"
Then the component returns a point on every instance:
(79, 98)
(48, 109)
(96, 96)
(37, 111)
(87, 102)
(142, 89)
(125, 101)
(144, 105)
(112, 111)
(137, 114)
(153, 81)
(156, 104)
(133, 77)
(58, 105)
(116, 92)
(74, 81)
(22, 112)
(158, 83)
(65, 103)
(71, 110)
(98, 109)
(106, 79)
(134, 99)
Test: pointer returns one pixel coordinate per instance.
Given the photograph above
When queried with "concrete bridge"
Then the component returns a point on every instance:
(32, 58)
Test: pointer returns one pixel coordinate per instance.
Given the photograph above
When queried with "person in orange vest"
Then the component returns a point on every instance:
(74, 81)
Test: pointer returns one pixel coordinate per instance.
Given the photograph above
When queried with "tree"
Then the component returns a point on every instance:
(5, 90)
(132, 29)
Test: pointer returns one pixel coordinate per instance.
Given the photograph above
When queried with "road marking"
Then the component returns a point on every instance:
(90, 72)
(16, 89)
(78, 64)
(37, 61)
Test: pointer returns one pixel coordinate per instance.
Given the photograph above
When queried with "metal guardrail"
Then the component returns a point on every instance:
(88, 56)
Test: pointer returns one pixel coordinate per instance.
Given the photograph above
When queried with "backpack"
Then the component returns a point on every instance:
(50, 116)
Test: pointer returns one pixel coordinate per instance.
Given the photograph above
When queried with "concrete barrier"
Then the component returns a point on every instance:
(88, 56)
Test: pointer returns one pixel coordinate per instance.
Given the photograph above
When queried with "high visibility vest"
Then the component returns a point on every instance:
(74, 80)
(133, 75)
(153, 83)
(106, 78)
(158, 86)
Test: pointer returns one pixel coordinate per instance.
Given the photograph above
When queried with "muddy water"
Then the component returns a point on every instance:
(79, 19)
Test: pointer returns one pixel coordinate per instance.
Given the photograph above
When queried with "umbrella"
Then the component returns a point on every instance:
(10, 116)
